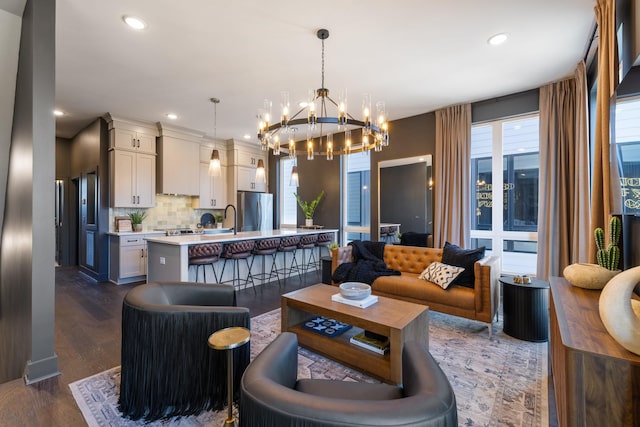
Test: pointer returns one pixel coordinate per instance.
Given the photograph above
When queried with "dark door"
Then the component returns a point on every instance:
(88, 227)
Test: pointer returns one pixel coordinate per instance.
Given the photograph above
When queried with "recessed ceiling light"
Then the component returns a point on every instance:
(247, 136)
(58, 113)
(497, 39)
(172, 116)
(134, 22)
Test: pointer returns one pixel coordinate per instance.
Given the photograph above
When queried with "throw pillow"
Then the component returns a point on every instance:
(465, 258)
(441, 274)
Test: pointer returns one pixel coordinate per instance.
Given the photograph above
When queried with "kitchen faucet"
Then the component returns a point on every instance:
(235, 217)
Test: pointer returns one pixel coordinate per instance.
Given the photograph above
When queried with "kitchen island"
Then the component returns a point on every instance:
(168, 256)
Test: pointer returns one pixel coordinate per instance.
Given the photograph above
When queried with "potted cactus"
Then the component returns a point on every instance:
(596, 276)
(609, 257)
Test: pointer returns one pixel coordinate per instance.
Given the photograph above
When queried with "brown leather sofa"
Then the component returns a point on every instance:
(478, 303)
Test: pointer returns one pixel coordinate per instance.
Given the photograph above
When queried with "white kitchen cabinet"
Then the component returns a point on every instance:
(133, 179)
(127, 139)
(213, 189)
(245, 162)
(128, 253)
(246, 180)
(249, 158)
(178, 163)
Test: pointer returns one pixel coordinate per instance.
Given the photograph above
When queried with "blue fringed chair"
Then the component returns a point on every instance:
(167, 367)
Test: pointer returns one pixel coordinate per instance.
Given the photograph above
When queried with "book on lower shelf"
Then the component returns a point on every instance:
(372, 342)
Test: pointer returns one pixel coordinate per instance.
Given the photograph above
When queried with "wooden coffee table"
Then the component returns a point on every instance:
(399, 320)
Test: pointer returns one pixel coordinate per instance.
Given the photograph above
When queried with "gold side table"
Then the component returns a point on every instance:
(227, 339)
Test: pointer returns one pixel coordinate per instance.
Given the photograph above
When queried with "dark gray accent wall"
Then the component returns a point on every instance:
(319, 175)
(27, 282)
(409, 137)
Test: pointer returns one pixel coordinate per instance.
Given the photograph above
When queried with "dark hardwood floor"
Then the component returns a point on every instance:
(87, 341)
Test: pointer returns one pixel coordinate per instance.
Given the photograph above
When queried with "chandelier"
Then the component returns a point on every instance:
(320, 125)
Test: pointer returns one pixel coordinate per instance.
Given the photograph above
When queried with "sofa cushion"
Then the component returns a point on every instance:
(465, 258)
(409, 286)
(441, 274)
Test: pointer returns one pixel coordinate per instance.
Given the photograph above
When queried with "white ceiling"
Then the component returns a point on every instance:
(416, 55)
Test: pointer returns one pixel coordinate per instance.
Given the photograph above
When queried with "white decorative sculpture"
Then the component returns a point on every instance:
(619, 313)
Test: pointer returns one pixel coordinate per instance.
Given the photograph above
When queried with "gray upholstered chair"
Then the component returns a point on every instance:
(271, 395)
(168, 368)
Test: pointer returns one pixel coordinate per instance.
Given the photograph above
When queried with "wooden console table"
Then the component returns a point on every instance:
(597, 381)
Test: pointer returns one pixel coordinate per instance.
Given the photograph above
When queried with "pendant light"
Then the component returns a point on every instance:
(214, 163)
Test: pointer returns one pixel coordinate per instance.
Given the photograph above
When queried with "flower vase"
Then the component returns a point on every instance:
(308, 222)
(137, 227)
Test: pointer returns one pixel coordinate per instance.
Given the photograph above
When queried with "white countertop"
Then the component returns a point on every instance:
(191, 239)
(136, 233)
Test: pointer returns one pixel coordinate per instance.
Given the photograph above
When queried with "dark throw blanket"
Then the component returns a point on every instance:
(368, 264)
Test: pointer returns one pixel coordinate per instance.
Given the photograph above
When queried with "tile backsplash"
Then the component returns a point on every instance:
(169, 212)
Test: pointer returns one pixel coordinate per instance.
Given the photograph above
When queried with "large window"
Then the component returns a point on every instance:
(505, 216)
(627, 144)
(357, 200)
(288, 204)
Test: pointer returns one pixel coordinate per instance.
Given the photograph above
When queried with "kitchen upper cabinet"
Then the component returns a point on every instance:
(178, 165)
(245, 161)
(132, 163)
(246, 180)
(213, 189)
(127, 139)
(249, 158)
(133, 179)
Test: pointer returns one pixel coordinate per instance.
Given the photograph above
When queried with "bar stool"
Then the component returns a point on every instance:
(203, 255)
(307, 241)
(235, 251)
(324, 240)
(263, 248)
(289, 244)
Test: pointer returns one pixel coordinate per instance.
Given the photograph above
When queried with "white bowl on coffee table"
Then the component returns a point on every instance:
(355, 290)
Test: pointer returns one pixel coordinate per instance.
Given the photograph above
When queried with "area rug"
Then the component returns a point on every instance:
(498, 382)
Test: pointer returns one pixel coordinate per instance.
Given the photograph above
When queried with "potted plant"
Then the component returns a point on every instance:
(596, 276)
(136, 219)
(309, 208)
(219, 218)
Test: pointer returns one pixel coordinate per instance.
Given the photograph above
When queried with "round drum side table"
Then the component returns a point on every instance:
(525, 308)
(227, 339)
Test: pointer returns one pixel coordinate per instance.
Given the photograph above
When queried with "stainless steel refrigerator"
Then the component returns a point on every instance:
(255, 211)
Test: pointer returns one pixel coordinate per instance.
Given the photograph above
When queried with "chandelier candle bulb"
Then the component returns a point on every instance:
(309, 149)
(347, 141)
(330, 147)
(284, 104)
(292, 148)
(276, 145)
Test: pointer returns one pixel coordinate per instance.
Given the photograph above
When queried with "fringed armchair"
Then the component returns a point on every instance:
(167, 367)
(273, 396)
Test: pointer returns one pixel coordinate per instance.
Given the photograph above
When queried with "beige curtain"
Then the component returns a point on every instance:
(601, 197)
(451, 219)
(563, 197)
